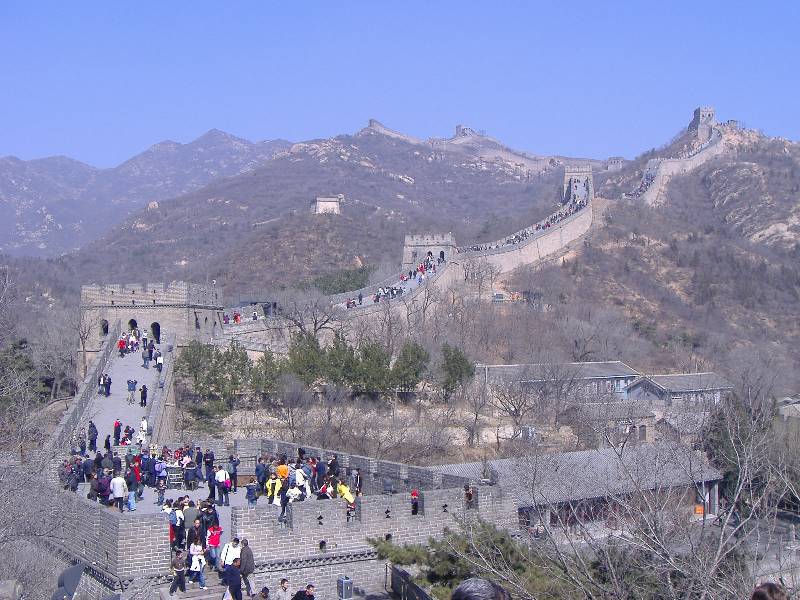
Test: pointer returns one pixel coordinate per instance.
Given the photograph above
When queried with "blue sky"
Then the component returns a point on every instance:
(101, 81)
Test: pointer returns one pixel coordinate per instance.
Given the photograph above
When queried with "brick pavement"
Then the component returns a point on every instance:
(104, 410)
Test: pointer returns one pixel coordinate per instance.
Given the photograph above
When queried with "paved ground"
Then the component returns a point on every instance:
(103, 411)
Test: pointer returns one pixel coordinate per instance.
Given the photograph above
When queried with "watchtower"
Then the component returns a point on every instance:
(578, 183)
(328, 205)
(416, 247)
(615, 163)
(190, 311)
(703, 122)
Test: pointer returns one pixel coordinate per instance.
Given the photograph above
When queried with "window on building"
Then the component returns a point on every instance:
(643, 433)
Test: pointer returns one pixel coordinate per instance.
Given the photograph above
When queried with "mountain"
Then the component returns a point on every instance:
(258, 225)
(53, 205)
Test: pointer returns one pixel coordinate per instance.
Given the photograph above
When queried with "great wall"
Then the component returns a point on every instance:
(318, 541)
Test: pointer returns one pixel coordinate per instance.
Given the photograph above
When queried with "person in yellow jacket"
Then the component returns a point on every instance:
(344, 492)
(273, 489)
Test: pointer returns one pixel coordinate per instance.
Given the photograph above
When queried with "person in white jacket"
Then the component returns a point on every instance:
(230, 552)
(119, 490)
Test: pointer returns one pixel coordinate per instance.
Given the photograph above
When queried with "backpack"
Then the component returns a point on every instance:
(173, 518)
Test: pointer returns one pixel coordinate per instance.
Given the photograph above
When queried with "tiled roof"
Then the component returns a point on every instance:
(690, 382)
(549, 372)
(612, 411)
(687, 422)
(560, 477)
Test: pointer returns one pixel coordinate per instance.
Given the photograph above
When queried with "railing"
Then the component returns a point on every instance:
(60, 438)
(403, 587)
(157, 414)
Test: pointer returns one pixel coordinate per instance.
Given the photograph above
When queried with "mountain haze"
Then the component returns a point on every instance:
(54, 205)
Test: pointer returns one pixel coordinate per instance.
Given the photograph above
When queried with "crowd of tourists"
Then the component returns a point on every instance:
(131, 343)
(650, 174)
(418, 275)
(566, 211)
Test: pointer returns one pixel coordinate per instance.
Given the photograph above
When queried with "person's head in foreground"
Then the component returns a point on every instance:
(769, 591)
(475, 588)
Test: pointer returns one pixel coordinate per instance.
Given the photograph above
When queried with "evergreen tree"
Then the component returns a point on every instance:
(410, 366)
(456, 368)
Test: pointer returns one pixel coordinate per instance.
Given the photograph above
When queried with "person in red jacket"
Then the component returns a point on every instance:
(213, 538)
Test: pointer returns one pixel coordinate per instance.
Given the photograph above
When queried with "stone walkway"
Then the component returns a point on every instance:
(103, 411)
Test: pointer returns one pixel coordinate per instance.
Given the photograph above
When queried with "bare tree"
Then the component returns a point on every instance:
(82, 326)
(309, 311)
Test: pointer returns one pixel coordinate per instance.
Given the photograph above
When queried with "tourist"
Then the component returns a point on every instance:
(223, 483)
(132, 485)
(213, 538)
(107, 384)
(161, 488)
(118, 490)
(283, 592)
(247, 566)
(264, 593)
(261, 475)
(195, 535)
(159, 361)
(92, 435)
(143, 397)
(179, 579)
(252, 493)
(117, 431)
(306, 594)
(769, 591)
(357, 482)
(414, 502)
(476, 588)
(273, 487)
(230, 552)
(232, 577)
(198, 564)
(93, 488)
(233, 465)
(107, 443)
(101, 384)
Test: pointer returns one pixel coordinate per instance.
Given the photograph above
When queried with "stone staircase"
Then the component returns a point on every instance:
(215, 590)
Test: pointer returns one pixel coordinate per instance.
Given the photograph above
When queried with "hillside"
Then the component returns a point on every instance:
(258, 225)
(53, 205)
(710, 279)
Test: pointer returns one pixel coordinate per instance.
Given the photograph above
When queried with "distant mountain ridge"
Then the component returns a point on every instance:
(56, 204)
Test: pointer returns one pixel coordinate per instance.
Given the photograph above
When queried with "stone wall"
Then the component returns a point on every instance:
(378, 516)
(191, 311)
(555, 239)
(675, 166)
(417, 246)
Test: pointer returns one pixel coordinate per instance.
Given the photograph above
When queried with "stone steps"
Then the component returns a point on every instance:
(215, 590)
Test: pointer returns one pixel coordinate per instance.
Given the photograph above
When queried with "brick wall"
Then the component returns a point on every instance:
(311, 522)
(143, 546)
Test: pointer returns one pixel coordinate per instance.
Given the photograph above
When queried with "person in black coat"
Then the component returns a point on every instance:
(143, 392)
(233, 579)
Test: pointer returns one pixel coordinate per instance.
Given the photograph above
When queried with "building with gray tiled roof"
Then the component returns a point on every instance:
(592, 377)
(686, 388)
(565, 482)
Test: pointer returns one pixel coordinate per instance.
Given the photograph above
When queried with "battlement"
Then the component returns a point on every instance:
(578, 183)
(417, 246)
(328, 205)
(615, 163)
(703, 121)
(178, 293)
(429, 239)
(189, 310)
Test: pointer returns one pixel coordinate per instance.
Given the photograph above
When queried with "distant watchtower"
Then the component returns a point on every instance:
(615, 163)
(578, 184)
(190, 311)
(416, 247)
(703, 122)
(330, 205)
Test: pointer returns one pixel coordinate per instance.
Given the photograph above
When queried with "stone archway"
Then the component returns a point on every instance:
(155, 331)
(132, 324)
